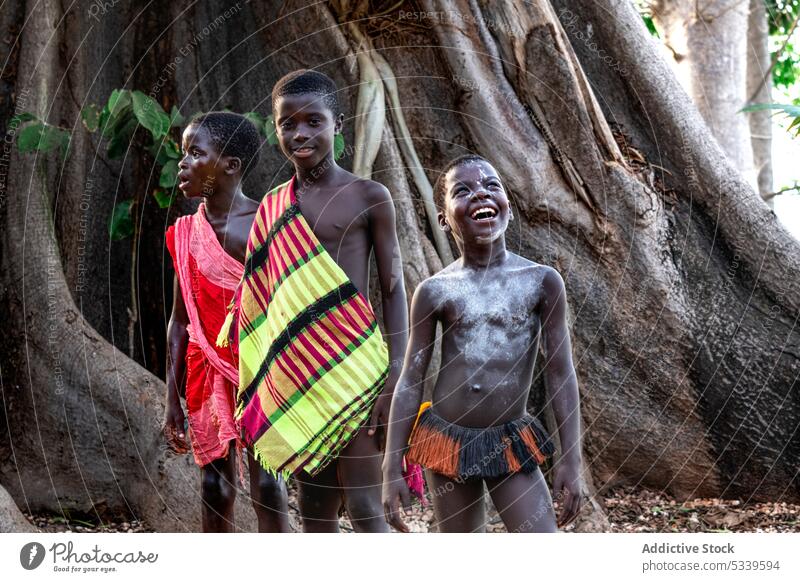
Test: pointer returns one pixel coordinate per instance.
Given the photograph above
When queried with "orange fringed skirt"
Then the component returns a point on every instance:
(462, 452)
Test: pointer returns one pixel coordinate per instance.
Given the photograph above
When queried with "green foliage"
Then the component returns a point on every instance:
(264, 125)
(117, 122)
(150, 115)
(164, 151)
(645, 10)
(41, 137)
(175, 118)
(121, 225)
(163, 198)
(121, 137)
(782, 16)
(651, 26)
(792, 111)
(21, 118)
(338, 146)
(169, 174)
(91, 117)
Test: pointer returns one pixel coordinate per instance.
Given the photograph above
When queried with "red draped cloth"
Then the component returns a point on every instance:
(208, 279)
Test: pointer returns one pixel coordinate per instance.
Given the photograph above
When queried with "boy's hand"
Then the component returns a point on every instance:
(173, 429)
(567, 489)
(395, 494)
(380, 418)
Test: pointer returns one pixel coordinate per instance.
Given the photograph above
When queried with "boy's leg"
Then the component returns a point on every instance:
(218, 492)
(524, 502)
(269, 499)
(458, 505)
(361, 477)
(319, 499)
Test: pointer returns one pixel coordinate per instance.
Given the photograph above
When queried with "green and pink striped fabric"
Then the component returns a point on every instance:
(312, 360)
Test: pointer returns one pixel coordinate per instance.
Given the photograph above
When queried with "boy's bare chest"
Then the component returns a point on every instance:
(233, 234)
(335, 222)
(490, 302)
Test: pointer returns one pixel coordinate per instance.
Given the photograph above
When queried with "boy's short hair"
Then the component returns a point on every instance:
(233, 135)
(308, 81)
(438, 188)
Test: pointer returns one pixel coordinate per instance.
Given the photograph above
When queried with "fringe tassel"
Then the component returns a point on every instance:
(461, 452)
(223, 339)
(259, 456)
(227, 330)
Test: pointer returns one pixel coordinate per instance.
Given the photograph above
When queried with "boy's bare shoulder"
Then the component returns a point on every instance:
(440, 284)
(369, 191)
(251, 206)
(526, 267)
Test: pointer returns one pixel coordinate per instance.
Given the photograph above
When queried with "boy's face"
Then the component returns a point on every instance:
(476, 205)
(305, 128)
(201, 166)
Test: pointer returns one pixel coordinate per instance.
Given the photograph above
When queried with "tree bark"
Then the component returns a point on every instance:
(683, 288)
(711, 57)
(11, 518)
(759, 90)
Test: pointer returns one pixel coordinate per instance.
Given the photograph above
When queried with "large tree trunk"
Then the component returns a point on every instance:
(709, 45)
(759, 90)
(683, 287)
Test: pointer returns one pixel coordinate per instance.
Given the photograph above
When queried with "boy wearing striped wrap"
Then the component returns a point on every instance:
(315, 379)
(494, 306)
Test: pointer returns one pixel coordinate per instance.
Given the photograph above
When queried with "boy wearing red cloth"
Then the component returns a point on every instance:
(208, 249)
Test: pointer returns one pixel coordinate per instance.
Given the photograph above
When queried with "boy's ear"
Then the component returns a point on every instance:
(443, 222)
(233, 165)
(338, 124)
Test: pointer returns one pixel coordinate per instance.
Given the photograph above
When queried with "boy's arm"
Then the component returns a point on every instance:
(393, 294)
(562, 384)
(177, 341)
(406, 401)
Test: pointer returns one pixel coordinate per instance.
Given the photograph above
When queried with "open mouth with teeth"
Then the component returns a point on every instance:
(483, 214)
(303, 151)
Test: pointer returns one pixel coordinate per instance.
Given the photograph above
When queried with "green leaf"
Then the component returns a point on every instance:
(164, 151)
(338, 146)
(118, 100)
(270, 131)
(150, 115)
(257, 120)
(121, 139)
(91, 117)
(651, 27)
(790, 110)
(172, 149)
(169, 174)
(121, 225)
(175, 118)
(163, 198)
(29, 137)
(21, 118)
(115, 113)
(42, 137)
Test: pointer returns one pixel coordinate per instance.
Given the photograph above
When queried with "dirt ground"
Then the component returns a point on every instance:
(628, 510)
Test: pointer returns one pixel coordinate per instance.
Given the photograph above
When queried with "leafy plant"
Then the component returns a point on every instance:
(792, 111)
(118, 122)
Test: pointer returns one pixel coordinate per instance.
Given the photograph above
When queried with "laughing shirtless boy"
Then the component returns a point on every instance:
(494, 306)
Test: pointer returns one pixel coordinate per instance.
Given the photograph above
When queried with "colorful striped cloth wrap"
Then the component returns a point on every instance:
(312, 360)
